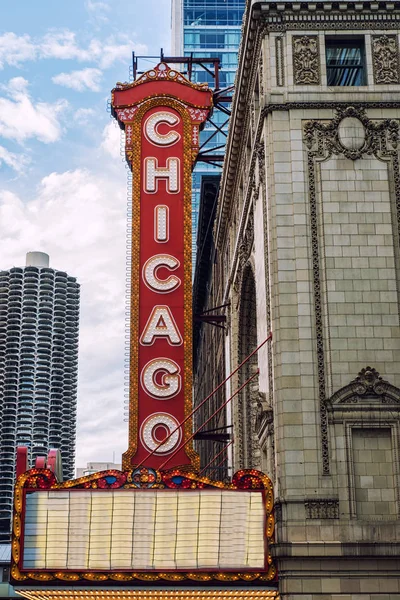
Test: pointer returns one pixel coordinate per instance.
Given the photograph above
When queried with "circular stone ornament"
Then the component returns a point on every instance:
(351, 133)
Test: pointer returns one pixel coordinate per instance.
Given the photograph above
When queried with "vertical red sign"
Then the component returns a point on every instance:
(161, 113)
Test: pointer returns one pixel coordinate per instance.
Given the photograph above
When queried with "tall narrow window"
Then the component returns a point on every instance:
(345, 62)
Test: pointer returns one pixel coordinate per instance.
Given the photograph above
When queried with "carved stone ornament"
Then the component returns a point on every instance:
(323, 508)
(385, 58)
(280, 69)
(367, 387)
(352, 134)
(245, 248)
(306, 63)
(264, 414)
(278, 512)
(254, 449)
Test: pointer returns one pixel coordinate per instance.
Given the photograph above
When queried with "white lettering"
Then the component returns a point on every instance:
(162, 324)
(152, 133)
(150, 273)
(161, 378)
(161, 223)
(153, 173)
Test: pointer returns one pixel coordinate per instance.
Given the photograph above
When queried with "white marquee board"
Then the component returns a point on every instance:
(144, 530)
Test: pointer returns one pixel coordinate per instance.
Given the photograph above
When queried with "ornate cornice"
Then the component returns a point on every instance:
(247, 67)
(285, 106)
(282, 16)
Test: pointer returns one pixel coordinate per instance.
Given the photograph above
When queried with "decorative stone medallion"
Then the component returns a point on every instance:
(351, 133)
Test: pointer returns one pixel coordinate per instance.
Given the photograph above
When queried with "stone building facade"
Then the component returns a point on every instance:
(306, 245)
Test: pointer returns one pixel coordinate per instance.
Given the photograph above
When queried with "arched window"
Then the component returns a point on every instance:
(247, 343)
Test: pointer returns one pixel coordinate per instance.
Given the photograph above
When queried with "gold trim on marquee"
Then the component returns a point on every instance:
(148, 594)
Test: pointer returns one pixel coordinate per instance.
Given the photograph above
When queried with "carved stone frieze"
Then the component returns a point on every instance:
(255, 452)
(284, 18)
(280, 69)
(278, 512)
(351, 134)
(264, 414)
(385, 59)
(367, 387)
(245, 248)
(306, 61)
(322, 508)
(261, 75)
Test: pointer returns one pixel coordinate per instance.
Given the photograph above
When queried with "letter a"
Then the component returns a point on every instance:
(161, 324)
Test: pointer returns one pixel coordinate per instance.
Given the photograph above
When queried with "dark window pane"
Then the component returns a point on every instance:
(345, 63)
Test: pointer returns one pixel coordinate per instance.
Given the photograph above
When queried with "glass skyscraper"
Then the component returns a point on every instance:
(208, 28)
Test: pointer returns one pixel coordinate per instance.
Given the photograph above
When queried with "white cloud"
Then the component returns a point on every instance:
(80, 80)
(78, 218)
(64, 45)
(17, 162)
(94, 6)
(98, 10)
(21, 118)
(112, 141)
(116, 50)
(105, 53)
(83, 115)
(15, 49)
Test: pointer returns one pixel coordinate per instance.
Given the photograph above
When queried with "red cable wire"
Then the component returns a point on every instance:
(190, 415)
(209, 419)
(215, 457)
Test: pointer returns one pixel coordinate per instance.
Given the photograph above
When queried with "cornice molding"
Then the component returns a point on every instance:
(251, 38)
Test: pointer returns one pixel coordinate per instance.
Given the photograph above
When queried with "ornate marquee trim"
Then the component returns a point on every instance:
(162, 73)
(142, 478)
(322, 140)
(164, 594)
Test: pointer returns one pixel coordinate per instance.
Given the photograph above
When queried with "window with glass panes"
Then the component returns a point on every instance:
(345, 62)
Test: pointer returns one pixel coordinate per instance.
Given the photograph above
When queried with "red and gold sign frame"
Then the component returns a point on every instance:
(43, 479)
(161, 113)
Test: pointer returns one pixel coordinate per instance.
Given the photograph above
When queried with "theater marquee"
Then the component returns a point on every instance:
(142, 527)
(157, 522)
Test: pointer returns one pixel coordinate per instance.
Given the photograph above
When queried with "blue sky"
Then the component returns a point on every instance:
(62, 179)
